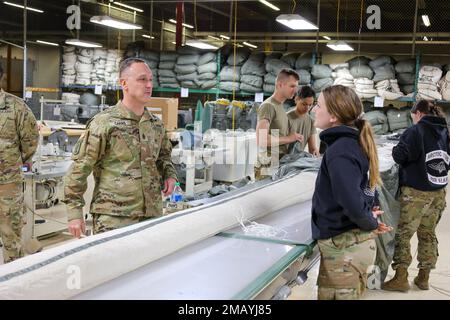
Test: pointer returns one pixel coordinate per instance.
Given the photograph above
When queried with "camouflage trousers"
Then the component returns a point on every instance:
(263, 172)
(11, 220)
(258, 174)
(345, 260)
(103, 222)
(420, 212)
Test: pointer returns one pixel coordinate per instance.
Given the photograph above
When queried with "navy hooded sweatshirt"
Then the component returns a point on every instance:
(342, 198)
(423, 155)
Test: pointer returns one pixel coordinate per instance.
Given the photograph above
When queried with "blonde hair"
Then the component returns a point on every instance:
(345, 105)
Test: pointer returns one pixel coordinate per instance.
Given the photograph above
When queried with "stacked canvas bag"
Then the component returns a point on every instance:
(444, 85)
(207, 71)
(378, 121)
(69, 59)
(273, 67)
(321, 74)
(399, 119)
(342, 76)
(384, 78)
(84, 66)
(186, 67)
(303, 74)
(365, 88)
(303, 66)
(166, 72)
(363, 75)
(427, 86)
(389, 89)
(406, 75)
(304, 62)
(112, 67)
(230, 75)
(152, 60)
(252, 73)
(99, 62)
(269, 78)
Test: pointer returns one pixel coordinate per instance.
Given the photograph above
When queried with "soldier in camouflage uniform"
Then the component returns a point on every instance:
(18, 142)
(129, 153)
(423, 156)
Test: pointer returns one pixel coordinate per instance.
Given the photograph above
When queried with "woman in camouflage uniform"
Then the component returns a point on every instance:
(423, 156)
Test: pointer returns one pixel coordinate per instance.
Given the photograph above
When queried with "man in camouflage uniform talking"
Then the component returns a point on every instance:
(18, 142)
(129, 153)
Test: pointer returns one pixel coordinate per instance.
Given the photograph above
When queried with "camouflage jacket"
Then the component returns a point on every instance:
(19, 137)
(130, 157)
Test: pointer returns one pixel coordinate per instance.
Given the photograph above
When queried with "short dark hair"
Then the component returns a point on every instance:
(427, 107)
(306, 92)
(127, 62)
(286, 73)
(1, 71)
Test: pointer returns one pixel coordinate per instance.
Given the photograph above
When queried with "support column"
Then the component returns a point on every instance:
(415, 30)
(8, 68)
(179, 27)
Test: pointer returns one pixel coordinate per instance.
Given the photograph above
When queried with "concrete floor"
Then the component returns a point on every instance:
(439, 277)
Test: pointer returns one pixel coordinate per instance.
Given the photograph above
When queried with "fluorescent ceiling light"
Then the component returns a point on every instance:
(127, 6)
(327, 37)
(148, 36)
(215, 38)
(426, 20)
(425, 38)
(271, 6)
(82, 43)
(22, 7)
(200, 44)
(296, 22)
(249, 45)
(114, 23)
(224, 37)
(184, 24)
(49, 43)
(173, 42)
(339, 46)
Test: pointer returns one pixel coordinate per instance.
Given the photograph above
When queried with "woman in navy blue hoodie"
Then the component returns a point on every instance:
(423, 156)
(344, 219)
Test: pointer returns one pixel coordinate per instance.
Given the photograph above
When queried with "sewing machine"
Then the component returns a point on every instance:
(196, 160)
(44, 191)
(45, 213)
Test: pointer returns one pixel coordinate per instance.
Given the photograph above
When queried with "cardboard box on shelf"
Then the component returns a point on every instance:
(166, 109)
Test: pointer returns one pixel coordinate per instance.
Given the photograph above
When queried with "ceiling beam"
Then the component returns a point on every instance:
(329, 34)
(204, 6)
(380, 41)
(422, 4)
